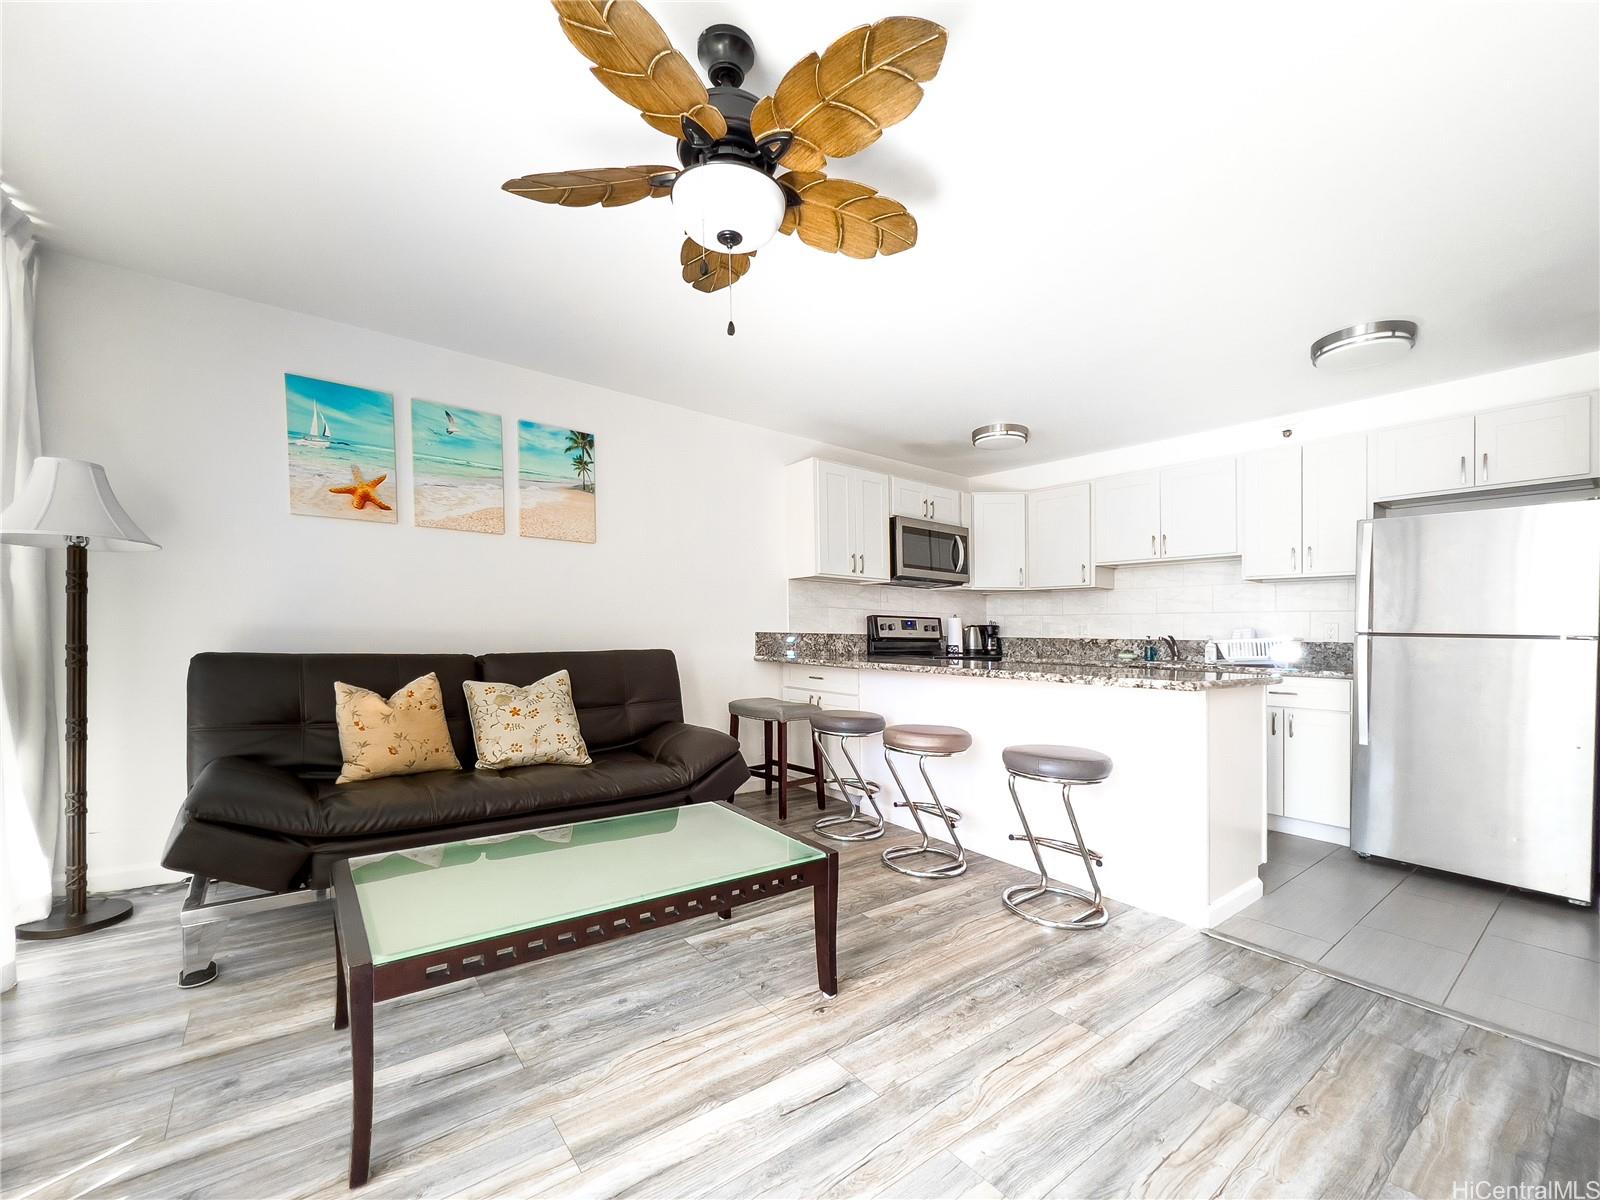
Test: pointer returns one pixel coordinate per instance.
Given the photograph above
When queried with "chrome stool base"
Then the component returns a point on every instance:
(957, 858)
(869, 826)
(1014, 897)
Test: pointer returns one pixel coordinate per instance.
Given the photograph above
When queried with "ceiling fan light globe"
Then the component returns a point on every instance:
(718, 197)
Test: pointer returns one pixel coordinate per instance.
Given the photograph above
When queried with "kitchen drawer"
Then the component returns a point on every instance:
(1330, 694)
(846, 700)
(822, 679)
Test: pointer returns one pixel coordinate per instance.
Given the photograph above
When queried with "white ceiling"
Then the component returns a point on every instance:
(1134, 218)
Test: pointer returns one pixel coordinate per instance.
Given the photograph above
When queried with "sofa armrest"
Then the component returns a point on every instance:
(692, 749)
(242, 791)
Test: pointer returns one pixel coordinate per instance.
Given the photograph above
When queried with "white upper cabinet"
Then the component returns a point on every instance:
(999, 540)
(1127, 517)
(1061, 538)
(1300, 508)
(1333, 503)
(1416, 460)
(1271, 484)
(1527, 443)
(926, 501)
(1535, 441)
(838, 522)
(1200, 509)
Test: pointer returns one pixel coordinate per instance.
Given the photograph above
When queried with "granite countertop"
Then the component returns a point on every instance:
(1184, 677)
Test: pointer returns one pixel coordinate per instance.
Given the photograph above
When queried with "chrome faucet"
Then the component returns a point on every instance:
(1171, 643)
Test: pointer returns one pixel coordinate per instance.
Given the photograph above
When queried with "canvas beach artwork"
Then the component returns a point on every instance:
(555, 482)
(341, 450)
(457, 471)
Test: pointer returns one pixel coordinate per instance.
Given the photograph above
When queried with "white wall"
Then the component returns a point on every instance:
(179, 393)
(821, 606)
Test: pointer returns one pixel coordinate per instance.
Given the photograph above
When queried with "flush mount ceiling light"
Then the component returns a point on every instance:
(1364, 345)
(1002, 436)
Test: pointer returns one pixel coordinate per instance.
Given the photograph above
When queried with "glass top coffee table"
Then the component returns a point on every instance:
(414, 919)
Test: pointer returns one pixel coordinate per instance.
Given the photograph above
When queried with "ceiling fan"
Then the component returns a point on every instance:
(728, 192)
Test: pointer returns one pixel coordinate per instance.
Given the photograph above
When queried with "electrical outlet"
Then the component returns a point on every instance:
(1330, 631)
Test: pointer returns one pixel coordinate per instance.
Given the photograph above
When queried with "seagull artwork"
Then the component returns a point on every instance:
(449, 423)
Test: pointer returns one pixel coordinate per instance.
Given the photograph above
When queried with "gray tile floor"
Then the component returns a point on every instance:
(1522, 962)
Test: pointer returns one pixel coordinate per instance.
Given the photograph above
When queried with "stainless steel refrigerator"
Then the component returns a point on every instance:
(1475, 672)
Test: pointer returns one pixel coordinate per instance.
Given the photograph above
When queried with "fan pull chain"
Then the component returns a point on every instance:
(733, 278)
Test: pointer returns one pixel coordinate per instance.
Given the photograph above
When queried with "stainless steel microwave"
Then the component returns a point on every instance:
(927, 553)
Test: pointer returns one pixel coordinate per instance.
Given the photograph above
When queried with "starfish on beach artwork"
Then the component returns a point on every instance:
(555, 482)
(341, 450)
(458, 478)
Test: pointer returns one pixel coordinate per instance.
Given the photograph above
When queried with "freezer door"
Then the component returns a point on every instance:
(1477, 755)
(1531, 570)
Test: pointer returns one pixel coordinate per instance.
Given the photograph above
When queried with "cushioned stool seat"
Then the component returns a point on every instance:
(769, 708)
(847, 722)
(927, 739)
(1070, 764)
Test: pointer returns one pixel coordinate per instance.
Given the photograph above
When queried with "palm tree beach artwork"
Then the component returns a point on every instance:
(555, 482)
(341, 450)
(458, 476)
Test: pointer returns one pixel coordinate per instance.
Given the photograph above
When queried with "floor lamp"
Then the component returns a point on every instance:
(68, 502)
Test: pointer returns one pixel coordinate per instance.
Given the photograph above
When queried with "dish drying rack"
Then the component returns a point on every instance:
(1257, 651)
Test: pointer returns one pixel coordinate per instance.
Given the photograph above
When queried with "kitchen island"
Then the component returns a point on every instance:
(1181, 822)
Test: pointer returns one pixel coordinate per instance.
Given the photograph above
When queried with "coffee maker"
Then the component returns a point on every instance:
(980, 641)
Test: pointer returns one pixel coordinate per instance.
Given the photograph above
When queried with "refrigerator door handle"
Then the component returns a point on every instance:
(1364, 577)
(1363, 688)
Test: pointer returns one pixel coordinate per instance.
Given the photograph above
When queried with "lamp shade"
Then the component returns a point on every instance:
(67, 498)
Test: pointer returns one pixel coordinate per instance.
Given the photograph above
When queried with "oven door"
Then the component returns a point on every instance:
(927, 553)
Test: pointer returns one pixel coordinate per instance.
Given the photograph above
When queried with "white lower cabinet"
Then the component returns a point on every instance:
(1308, 751)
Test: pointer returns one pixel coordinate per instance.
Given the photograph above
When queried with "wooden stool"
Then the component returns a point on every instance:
(771, 711)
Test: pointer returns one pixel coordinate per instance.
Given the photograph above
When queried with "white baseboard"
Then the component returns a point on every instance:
(117, 879)
(1309, 829)
(1233, 903)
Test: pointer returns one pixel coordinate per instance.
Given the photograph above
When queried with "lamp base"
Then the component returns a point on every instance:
(100, 912)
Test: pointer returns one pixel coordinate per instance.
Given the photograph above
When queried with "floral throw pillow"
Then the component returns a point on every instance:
(518, 726)
(403, 735)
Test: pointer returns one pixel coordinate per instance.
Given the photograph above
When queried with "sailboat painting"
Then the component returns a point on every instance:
(341, 450)
(458, 476)
(555, 482)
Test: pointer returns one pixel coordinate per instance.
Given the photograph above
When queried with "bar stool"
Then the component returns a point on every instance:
(842, 724)
(1070, 766)
(923, 742)
(771, 711)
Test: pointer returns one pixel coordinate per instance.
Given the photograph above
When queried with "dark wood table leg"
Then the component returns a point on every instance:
(816, 766)
(783, 770)
(766, 727)
(825, 915)
(725, 913)
(360, 1073)
(341, 1011)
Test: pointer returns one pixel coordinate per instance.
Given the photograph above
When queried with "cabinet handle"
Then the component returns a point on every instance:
(1308, 558)
(1083, 572)
(853, 564)
(1291, 724)
(1463, 468)
(1163, 545)
(1272, 727)
(1486, 466)
(1152, 545)
(818, 678)
(1294, 565)
(1019, 576)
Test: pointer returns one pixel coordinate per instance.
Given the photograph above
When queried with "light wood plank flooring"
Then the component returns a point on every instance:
(967, 1054)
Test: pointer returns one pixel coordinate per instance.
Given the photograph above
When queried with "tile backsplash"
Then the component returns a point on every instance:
(816, 606)
(1195, 601)
(1198, 600)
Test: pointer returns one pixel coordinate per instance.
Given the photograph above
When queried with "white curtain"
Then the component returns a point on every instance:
(29, 785)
